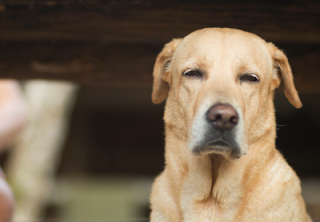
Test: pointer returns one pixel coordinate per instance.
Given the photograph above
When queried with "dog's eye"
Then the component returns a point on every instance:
(249, 78)
(193, 73)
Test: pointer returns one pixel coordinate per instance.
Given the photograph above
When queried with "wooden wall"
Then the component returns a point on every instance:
(115, 42)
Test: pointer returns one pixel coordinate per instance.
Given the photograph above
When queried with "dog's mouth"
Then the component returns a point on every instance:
(218, 143)
(219, 146)
(216, 146)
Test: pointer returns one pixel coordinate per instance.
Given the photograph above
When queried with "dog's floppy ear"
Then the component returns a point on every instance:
(161, 71)
(283, 71)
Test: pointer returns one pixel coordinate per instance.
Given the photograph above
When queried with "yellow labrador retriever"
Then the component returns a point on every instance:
(221, 159)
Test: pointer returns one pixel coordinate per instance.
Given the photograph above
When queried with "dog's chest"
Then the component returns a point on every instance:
(203, 211)
(208, 211)
(209, 215)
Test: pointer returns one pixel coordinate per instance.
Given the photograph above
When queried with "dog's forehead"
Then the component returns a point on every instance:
(223, 45)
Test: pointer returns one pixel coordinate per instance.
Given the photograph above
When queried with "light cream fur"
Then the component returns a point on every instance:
(259, 186)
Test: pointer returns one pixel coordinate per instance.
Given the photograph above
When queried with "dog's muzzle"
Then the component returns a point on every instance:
(219, 132)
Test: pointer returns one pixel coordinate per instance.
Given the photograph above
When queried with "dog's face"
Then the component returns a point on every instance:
(221, 84)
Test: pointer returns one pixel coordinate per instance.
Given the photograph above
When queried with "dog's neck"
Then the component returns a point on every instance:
(213, 176)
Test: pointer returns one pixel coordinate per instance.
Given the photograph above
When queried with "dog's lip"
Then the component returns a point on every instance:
(217, 146)
(218, 143)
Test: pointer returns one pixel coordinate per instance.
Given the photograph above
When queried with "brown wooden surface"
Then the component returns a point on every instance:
(121, 63)
(116, 42)
(86, 63)
(156, 21)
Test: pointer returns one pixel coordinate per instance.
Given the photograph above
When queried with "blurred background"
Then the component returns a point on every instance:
(92, 141)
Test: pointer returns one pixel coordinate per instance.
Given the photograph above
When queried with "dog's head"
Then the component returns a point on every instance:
(220, 84)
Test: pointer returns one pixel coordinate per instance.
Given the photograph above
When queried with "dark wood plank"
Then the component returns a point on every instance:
(121, 63)
(156, 21)
(85, 63)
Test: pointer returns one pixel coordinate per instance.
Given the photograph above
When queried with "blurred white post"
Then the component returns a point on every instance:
(32, 163)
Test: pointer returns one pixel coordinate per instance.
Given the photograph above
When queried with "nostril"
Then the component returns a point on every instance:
(217, 117)
(234, 119)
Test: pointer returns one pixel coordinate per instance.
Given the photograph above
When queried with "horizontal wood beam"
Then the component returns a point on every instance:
(122, 63)
(85, 63)
(155, 21)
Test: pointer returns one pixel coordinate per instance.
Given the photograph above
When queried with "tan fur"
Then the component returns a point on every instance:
(259, 186)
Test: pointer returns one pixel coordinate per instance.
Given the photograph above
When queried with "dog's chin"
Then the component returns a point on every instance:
(219, 147)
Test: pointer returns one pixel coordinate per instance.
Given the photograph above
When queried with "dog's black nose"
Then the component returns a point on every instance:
(223, 116)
